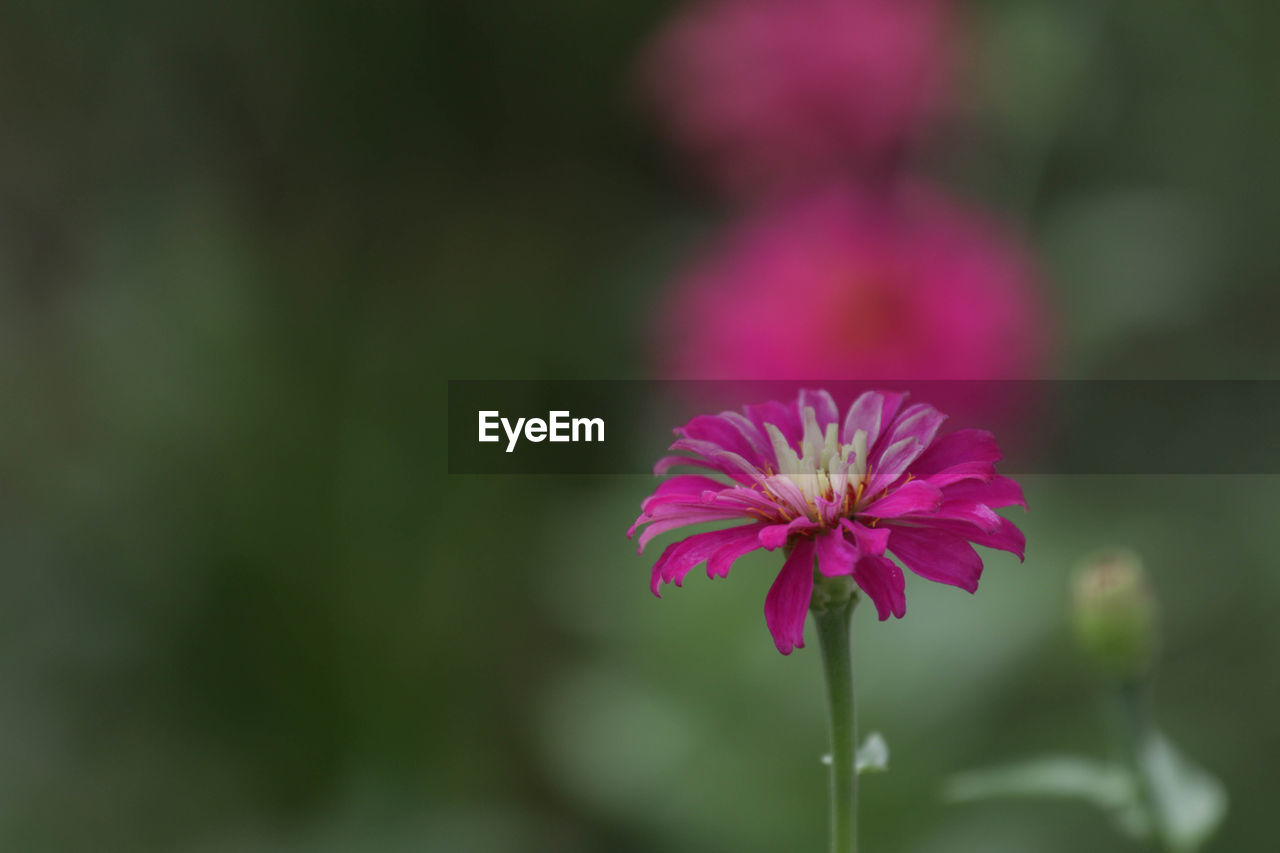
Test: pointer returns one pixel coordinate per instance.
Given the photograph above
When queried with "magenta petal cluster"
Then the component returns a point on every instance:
(895, 286)
(767, 94)
(836, 493)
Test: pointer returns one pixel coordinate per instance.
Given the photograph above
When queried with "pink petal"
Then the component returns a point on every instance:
(890, 402)
(882, 581)
(823, 406)
(892, 463)
(981, 472)
(873, 412)
(753, 435)
(870, 541)
(722, 560)
(964, 445)
(724, 461)
(728, 434)
(687, 484)
(663, 506)
(785, 418)
(775, 536)
(787, 603)
(982, 517)
(914, 497)
(836, 555)
(666, 463)
(863, 415)
(787, 491)
(996, 493)
(678, 517)
(740, 497)
(830, 511)
(1007, 537)
(686, 489)
(680, 557)
(937, 555)
(920, 422)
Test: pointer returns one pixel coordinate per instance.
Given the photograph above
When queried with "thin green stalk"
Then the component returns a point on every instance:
(833, 603)
(1135, 728)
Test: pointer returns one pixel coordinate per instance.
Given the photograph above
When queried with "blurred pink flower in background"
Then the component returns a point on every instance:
(843, 284)
(765, 93)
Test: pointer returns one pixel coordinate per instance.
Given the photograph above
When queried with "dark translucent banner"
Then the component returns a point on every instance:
(1124, 427)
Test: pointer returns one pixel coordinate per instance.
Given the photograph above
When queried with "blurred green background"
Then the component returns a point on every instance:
(243, 607)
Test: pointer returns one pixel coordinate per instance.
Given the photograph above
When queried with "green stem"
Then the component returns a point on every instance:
(1136, 727)
(833, 604)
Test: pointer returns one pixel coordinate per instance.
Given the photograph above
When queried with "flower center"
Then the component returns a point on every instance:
(826, 479)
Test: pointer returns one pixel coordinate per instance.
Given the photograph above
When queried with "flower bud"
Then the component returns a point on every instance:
(1115, 615)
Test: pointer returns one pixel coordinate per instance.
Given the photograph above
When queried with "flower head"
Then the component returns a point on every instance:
(841, 284)
(765, 94)
(835, 493)
(1115, 614)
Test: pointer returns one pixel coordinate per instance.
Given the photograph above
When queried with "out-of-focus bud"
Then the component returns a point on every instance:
(1115, 614)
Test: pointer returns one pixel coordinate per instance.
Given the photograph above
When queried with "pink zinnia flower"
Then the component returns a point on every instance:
(839, 284)
(765, 93)
(841, 492)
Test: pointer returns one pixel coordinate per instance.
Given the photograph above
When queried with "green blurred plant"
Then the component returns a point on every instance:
(1115, 616)
(1152, 792)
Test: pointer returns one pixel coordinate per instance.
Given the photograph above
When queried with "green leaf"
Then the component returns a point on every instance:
(1182, 803)
(1106, 785)
(873, 755)
(1188, 802)
(1110, 787)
